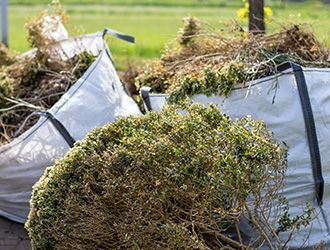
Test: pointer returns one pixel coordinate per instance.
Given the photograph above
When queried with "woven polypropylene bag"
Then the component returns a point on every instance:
(97, 98)
(277, 101)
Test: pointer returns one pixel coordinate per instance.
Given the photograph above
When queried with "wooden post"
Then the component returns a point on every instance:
(4, 22)
(256, 17)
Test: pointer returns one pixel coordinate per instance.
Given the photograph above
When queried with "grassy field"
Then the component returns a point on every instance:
(155, 22)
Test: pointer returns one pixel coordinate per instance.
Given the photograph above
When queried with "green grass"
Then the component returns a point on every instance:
(155, 23)
(173, 3)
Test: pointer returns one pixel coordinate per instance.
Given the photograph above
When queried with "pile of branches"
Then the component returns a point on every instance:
(166, 181)
(204, 60)
(35, 81)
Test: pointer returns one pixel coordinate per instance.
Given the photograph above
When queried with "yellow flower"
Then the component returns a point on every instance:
(243, 13)
(268, 14)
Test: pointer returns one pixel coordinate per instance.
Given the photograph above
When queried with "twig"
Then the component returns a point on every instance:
(262, 232)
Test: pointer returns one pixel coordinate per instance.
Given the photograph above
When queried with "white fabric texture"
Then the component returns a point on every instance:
(275, 100)
(96, 99)
(54, 29)
(69, 47)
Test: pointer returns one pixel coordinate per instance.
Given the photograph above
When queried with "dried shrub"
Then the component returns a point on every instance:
(37, 81)
(162, 181)
(190, 29)
(213, 61)
(128, 77)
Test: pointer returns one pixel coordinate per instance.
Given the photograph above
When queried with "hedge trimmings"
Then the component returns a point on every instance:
(162, 180)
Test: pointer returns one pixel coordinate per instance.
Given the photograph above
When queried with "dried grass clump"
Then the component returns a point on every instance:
(46, 22)
(209, 61)
(7, 56)
(162, 181)
(190, 29)
(6, 87)
(37, 81)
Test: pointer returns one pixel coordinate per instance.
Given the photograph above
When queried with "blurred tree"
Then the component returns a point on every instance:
(256, 16)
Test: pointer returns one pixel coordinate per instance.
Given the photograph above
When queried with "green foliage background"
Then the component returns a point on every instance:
(155, 22)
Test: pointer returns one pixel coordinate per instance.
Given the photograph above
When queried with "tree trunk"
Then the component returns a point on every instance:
(256, 17)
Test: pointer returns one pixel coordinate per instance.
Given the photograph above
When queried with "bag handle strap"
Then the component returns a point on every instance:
(56, 123)
(310, 130)
(144, 93)
(122, 36)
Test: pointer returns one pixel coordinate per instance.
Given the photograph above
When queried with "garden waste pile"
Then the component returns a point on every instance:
(282, 79)
(71, 83)
(202, 178)
(205, 60)
(164, 180)
(35, 81)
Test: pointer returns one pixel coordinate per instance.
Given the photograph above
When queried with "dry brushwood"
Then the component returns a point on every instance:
(164, 181)
(209, 61)
(35, 82)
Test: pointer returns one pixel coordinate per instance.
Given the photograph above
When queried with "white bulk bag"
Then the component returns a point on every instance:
(67, 48)
(295, 105)
(97, 98)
